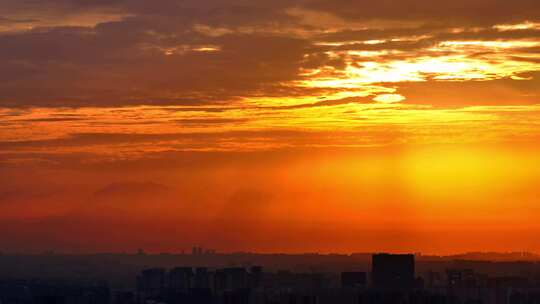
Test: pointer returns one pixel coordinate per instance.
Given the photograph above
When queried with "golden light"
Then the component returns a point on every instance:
(389, 98)
(527, 25)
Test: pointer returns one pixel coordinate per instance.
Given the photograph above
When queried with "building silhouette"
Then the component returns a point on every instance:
(151, 282)
(180, 278)
(393, 271)
(353, 279)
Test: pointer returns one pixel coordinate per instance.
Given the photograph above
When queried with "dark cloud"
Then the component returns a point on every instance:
(330, 103)
(210, 121)
(242, 202)
(130, 189)
(352, 40)
(5, 20)
(154, 53)
(87, 139)
(375, 33)
(51, 119)
(126, 62)
(23, 194)
(455, 13)
(199, 150)
(107, 66)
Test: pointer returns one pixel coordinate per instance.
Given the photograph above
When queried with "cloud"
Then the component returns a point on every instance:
(105, 66)
(496, 92)
(210, 121)
(245, 204)
(130, 190)
(460, 12)
(133, 52)
(389, 98)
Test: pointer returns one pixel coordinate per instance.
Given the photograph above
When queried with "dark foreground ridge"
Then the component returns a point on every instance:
(205, 276)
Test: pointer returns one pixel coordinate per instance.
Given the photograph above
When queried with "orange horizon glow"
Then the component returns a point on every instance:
(271, 127)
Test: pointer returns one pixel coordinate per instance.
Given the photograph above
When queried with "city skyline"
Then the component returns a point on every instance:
(242, 279)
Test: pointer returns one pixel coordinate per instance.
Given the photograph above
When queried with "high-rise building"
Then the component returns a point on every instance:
(196, 250)
(460, 278)
(393, 270)
(180, 278)
(230, 278)
(353, 279)
(202, 278)
(255, 277)
(151, 282)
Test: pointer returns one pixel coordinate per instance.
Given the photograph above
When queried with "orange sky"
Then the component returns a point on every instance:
(291, 126)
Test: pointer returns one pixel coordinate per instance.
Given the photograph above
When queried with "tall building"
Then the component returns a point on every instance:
(393, 271)
(202, 278)
(255, 277)
(230, 278)
(461, 278)
(180, 278)
(151, 282)
(353, 279)
(196, 250)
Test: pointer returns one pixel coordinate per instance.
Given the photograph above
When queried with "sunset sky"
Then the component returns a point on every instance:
(270, 126)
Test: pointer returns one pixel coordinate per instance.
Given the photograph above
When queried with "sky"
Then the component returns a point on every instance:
(270, 126)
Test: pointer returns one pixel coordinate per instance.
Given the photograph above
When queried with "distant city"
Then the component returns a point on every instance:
(208, 277)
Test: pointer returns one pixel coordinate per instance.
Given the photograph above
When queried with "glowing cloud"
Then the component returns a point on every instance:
(389, 98)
